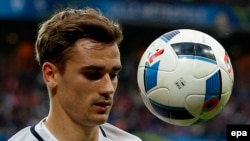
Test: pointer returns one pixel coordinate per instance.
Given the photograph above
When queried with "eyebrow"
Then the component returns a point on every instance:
(101, 68)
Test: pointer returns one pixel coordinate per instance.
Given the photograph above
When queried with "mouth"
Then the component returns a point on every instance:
(103, 105)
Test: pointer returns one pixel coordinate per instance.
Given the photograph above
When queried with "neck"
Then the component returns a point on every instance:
(65, 129)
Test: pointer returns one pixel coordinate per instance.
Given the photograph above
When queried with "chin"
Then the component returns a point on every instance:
(101, 118)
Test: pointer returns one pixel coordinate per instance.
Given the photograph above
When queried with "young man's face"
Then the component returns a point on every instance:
(86, 88)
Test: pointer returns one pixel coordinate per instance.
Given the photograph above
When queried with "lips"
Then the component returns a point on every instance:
(103, 103)
(103, 106)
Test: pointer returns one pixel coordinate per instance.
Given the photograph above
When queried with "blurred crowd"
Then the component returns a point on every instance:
(24, 99)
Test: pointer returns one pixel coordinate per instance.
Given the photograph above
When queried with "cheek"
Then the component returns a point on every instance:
(116, 80)
(115, 84)
(76, 97)
(75, 89)
(80, 90)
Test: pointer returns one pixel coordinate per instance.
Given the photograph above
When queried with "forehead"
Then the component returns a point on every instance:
(91, 52)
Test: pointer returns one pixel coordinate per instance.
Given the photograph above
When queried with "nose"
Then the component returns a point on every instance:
(107, 86)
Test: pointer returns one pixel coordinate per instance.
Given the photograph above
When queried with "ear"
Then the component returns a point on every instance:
(50, 71)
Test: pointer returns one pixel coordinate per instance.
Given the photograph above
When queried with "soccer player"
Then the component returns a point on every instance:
(78, 52)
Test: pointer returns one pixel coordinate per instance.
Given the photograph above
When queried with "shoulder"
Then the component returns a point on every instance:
(115, 133)
(23, 135)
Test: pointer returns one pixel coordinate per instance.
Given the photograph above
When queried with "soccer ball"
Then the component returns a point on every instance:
(185, 77)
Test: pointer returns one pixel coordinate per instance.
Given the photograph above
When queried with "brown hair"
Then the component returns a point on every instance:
(57, 35)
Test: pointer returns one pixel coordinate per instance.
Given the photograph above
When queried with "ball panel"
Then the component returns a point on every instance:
(194, 104)
(168, 60)
(151, 76)
(202, 69)
(227, 66)
(154, 109)
(213, 86)
(227, 82)
(140, 79)
(212, 113)
(186, 122)
(176, 113)
(224, 99)
(199, 53)
(162, 53)
(161, 95)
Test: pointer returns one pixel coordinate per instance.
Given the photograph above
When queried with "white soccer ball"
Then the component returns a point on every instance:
(185, 77)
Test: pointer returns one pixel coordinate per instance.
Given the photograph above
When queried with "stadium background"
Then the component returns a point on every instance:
(23, 95)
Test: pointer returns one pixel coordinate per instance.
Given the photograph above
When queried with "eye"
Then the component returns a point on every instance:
(93, 75)
(113, 75)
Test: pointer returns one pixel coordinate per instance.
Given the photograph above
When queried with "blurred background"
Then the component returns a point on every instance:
(23, 95)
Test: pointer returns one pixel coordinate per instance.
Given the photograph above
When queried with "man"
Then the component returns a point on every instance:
(77, 50)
